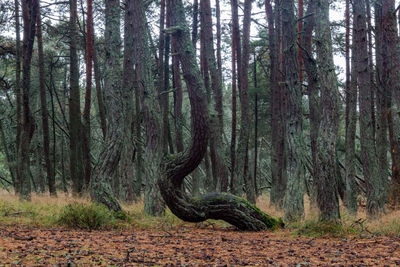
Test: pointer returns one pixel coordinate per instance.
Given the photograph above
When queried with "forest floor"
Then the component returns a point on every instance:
(31, 234)
(190, 246)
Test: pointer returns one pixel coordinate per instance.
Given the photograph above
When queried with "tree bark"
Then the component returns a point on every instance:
(293, 203)
(153, 203)
(88, 95)
(391, 80)
(237, 181)
(310, 65)
(128, 192)
(374, 185)
(99, 94)
(220, 171)
(242, 163)
(29, 12)
(234, 102)
(326, 180)
(43, 106)
(106, 172)
(18, 95)
(76, 154)
(278, 182)
(351, 119)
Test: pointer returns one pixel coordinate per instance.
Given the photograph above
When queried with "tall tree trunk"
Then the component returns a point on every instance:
(128, 81)
(351, 119)
(326, 180)
(106, 172)
(18, 95)
(242, 166)
(375, 198)
(218, 206)
(293, 203)
(88, 95)
(76, 154)
(43, 106)
(278, 183)
(234, 102)
(29, 12)
(153, 203)
(99, 94)
(371, 66)
(255, 124)
(391, 80)
(310, 65)
(220, 171)
(237, 181)
(163, 81)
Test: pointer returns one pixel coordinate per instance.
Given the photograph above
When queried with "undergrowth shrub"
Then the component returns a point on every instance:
(86, 216)
(317, 228)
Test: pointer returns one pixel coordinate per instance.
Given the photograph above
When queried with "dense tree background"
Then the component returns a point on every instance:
(105, 99)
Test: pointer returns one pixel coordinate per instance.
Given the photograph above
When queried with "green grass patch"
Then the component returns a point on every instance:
(315, 228)
(87, 216)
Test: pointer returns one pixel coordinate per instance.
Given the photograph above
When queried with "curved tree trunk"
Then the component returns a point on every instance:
(223, 206)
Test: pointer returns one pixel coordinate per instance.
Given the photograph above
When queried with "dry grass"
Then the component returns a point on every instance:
(44, 210)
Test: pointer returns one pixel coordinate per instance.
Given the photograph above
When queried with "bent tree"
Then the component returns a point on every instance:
(227, 207)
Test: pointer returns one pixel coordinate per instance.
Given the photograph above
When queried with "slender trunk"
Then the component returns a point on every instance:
(43, 105)
(255, 125)
(153, 203)
(310, 65)
(294, 206)
(18, 94)
(351, 119)
(220, 172)
(237, 180)
(278, 181)
(375, 200)
(105, 175)
(242, 166)
(29, 11)
(76, 156)
(99, 94)
(390, 79)
(163, 79)
(88, 95)
(128, 83)
(326, 180)
(371, 67)
(234, 101)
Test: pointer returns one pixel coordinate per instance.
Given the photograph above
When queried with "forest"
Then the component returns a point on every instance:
(196, 133)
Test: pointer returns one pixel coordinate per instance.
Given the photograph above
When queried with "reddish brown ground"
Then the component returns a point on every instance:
(189, 246)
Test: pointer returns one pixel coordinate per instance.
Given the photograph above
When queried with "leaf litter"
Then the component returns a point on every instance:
(190, 245)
